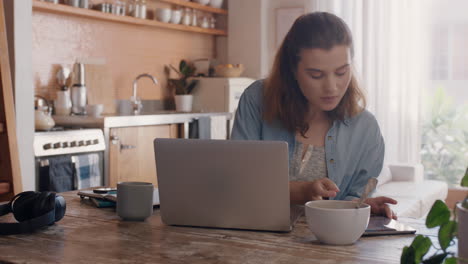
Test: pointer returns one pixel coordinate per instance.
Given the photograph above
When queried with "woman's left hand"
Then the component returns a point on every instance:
(379, 206)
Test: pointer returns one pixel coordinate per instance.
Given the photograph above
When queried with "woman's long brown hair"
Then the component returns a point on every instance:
(283, 99)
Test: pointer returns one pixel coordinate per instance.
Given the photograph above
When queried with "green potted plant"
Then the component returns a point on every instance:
(183, 86)
(462, 213)
(439, 216)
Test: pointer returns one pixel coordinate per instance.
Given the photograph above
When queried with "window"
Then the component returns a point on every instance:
(444, 150)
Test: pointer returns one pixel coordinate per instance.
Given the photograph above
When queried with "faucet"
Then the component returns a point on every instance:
(136, 102)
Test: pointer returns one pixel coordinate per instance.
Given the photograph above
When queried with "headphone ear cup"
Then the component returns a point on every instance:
(23, 206)
(60, 207)
(43, 204)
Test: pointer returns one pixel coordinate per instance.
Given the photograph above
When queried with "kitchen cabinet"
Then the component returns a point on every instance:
(98, 15)
(131, 152)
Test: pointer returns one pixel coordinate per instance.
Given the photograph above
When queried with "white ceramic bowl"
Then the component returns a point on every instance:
(176, 16)
(337, 222)
(216, 3)
(94, 110)
(163, 14)
(202, 2)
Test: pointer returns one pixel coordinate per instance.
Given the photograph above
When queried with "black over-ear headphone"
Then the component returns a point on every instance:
(32, 210)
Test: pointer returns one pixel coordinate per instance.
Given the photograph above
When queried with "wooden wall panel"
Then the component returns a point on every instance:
(127, 50)
(10, 174)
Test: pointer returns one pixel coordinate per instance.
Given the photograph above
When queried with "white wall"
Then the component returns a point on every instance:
(244, 35)
(19, 23)
(251, 33)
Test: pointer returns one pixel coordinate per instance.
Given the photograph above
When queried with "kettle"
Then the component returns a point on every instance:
(42, 114)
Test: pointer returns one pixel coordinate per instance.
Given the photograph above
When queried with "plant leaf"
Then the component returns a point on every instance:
(451, 260)
(464, 181)
(182, 65)
(407, 256)
(436, 259)
(438, 215)
(446, 233)
(191, 86)
(172, 67)
(421, 245)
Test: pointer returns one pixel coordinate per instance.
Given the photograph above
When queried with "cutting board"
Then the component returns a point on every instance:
(100, 86)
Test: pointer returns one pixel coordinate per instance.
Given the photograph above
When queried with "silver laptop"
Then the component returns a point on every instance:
(224, 183)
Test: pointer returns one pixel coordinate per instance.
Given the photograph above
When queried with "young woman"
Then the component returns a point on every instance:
(312, 100)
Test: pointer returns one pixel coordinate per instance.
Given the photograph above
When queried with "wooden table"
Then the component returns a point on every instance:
(91, 235)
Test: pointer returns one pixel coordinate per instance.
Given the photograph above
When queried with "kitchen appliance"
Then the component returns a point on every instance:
(219, 95)
(69, 160)
(63, 104)
(78, 90)
(42, 114)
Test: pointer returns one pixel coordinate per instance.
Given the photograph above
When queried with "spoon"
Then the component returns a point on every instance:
(370, 186)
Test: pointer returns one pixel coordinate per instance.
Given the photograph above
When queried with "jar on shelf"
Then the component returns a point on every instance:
(212, 22)
(194, 18)
(176, 16)
(204, 22)
(136, 8)
(187, 17)
(143, 9)
(115, 7)
(122, 8)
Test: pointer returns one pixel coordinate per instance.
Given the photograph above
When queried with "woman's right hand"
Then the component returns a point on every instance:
(320, 188)
(304, 191)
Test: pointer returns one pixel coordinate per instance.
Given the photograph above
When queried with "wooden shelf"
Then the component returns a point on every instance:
(197, 6)
(94, 14)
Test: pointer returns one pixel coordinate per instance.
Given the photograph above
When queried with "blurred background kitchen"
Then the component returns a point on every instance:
(97, 80)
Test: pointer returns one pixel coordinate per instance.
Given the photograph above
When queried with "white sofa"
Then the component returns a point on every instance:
(406, 184)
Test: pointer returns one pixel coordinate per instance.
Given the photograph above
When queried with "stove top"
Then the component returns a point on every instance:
(68, 142)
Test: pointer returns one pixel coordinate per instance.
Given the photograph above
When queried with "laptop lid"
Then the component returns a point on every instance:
(224, 183)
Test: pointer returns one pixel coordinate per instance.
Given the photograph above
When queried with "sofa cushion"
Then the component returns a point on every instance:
(423, 193)
(385, 176)
(407, 207)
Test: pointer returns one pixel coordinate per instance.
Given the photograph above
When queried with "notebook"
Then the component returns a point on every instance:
(381, 225)
(224, 183)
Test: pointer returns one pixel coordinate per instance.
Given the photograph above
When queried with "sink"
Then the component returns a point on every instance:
(149, 107)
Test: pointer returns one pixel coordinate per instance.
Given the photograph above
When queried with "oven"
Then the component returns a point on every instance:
(69, 160)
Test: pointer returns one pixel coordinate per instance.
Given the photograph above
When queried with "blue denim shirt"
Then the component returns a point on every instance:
(354, 147)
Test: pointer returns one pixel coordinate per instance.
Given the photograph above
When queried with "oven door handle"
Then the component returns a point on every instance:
(115, 140)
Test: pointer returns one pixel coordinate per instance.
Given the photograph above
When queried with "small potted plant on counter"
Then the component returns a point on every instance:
(439, 216)
(183, 86)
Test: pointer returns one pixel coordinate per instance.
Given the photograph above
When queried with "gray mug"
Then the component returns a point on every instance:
(134, 200)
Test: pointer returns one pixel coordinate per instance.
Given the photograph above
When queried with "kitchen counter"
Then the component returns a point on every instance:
(144, 119)
(108, 123)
